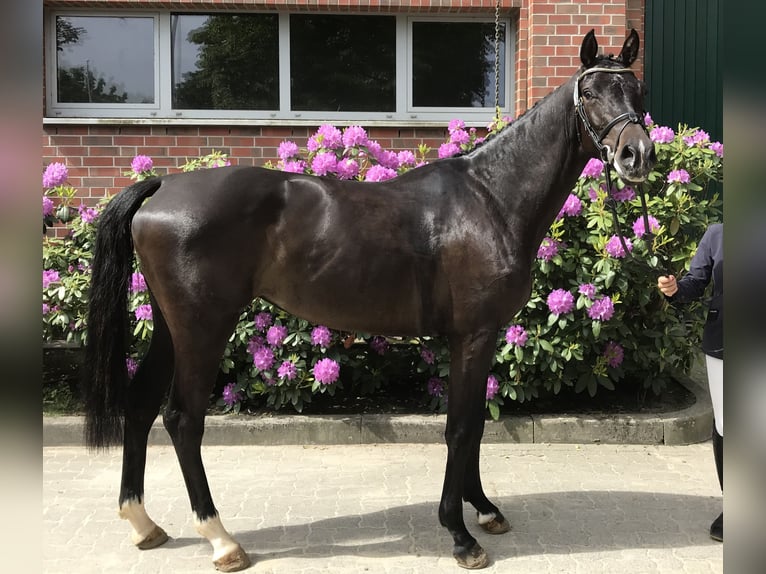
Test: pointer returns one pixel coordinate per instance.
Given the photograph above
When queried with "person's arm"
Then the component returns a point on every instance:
(692, 285)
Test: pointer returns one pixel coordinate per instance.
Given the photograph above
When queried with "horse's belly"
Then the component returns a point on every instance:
(392, 302)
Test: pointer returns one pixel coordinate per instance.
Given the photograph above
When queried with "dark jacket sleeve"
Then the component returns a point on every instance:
(706, 267)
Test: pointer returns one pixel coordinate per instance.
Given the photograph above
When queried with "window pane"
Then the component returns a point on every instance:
(225, 62)
(343, 63)
(105, 59)
(453, 64)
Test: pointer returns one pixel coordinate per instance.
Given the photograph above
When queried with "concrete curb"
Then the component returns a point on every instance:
(687, 426)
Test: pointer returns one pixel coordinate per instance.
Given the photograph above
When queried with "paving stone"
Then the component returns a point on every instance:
(372, 508)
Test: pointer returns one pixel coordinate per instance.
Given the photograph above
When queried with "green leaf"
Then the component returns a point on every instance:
(494, 410)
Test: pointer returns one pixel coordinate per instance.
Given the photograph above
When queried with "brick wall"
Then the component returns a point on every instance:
(97, 155)
(549, 34)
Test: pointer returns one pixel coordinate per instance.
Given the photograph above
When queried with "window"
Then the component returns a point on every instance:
(95, 66)
(225, 62)
(342, 63)
(453, 64)
(275, 66)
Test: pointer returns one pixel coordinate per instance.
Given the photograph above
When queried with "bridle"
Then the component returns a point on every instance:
(597, 138)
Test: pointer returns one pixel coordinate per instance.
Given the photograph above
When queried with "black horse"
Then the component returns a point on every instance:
(445, 249)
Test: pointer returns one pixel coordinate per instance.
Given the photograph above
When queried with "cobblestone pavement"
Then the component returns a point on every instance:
(373, 509)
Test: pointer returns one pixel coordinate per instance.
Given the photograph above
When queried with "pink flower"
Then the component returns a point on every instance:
(137, 283)
(231, 395)
(456, 124)
(326, 371)
(587, 289)
(679, 176)
(263, 358)
(698, 138)
(625, 194)
(717, 147)
(406, 157)
(287, 370)
(263, 320)
(601, 310)
(572, 207)
(141, 164)
(347, 168)
(379, 173)
(50, 276)
(459, 137)
(321, 336)
(614, 354)
(448, 150)
(492, 387)
(560, 301)
(427, 355)
(254, 344)
(298, 166)
(354, 136)
(287, 150)
(435, 387)
(88, 214)
(615, 249)
(548, 249)
(379, 345)
(55, 174)
(594, 168)
(648, 119)
(327, 137)
(638, 226)
(144, 312)
(388, 159)
(324, 163)
(47, 206)
(662, 134)
(276, 335)
(132, 365)
(516, 335)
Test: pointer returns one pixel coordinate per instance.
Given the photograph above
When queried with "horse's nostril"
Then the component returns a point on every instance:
(628, 155)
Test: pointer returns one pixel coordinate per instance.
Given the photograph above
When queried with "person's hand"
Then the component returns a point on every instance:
(667, 284)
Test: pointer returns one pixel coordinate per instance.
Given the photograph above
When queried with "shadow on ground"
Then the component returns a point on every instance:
(546, 523)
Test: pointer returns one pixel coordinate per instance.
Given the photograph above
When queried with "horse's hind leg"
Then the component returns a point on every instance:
(199, 340)
(145, 394)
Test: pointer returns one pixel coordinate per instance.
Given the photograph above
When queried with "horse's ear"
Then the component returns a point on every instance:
(589, 49)
(629, 51)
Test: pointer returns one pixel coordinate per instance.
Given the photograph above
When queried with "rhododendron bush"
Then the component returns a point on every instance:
(594, 319)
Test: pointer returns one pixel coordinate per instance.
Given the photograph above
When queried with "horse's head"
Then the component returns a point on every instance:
(609, 100)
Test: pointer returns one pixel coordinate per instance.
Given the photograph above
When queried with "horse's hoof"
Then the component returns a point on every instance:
(233, 561)
(156, 537)
(473, 559)
(495, 526)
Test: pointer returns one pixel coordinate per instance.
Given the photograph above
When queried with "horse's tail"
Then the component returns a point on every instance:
(105, 375)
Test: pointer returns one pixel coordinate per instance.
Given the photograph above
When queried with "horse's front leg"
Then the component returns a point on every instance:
(469, 366)
(489, 516)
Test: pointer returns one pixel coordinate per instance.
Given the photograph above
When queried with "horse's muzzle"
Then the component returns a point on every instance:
(636, 157)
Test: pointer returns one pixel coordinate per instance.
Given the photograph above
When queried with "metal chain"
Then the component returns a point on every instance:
(497, 58)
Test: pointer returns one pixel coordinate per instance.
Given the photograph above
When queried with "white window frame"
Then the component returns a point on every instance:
(162, 112)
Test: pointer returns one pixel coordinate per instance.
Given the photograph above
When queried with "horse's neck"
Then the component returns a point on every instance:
(532, 165)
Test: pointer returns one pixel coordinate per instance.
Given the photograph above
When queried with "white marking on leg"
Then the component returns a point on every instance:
(213, 530)
(133, 511)
(486, 518)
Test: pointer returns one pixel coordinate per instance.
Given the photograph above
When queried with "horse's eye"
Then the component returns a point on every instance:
(587, 94)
